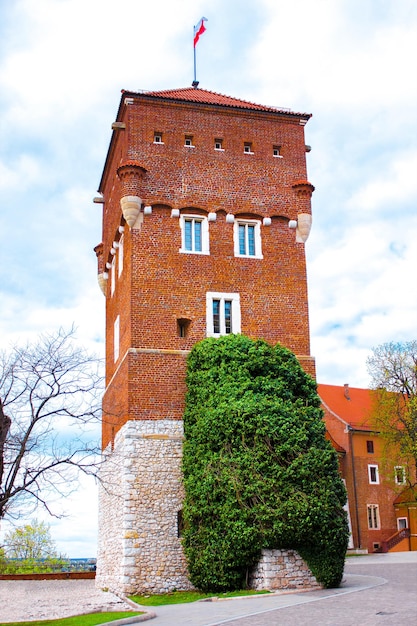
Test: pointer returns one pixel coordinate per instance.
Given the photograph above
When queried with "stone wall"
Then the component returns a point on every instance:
(281, 569)
(139, 548)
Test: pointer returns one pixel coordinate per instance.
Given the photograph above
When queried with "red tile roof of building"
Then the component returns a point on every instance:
(350, 404)
(334, 443)
(203, 96)
(406, 496)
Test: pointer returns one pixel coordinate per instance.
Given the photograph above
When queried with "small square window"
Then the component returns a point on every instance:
(157, 137)
(373, 517)
(218, 144)
(276, 151)
(370, 446)
(183, 325)
(373, 474)
(402, 522)
(188, 141)
(247, 147)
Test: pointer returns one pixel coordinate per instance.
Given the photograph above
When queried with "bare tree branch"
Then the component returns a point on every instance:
(51, 391)
(393, 370)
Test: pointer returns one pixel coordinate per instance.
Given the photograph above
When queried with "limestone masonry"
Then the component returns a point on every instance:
(206, 209)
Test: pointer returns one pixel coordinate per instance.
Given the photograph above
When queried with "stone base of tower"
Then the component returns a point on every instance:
(140, 497)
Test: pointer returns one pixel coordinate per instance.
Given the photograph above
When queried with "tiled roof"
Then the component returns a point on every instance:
(202, 96)
(334, 443)
(355, 411)
(406, 496)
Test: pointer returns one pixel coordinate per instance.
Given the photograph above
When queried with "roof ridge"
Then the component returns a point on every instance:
(206, 96)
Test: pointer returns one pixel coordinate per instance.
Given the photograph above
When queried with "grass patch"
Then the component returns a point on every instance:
(183, 597)
(79, 620)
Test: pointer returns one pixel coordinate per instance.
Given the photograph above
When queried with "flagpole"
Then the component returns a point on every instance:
(195, 81)
(198, 31)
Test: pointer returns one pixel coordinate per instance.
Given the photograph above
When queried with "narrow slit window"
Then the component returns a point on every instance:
(373, 517)
(227, 317)
(183, 326)
(373, 474)
(116, 338)
(370, 446)
(216, 316)
(113, 276)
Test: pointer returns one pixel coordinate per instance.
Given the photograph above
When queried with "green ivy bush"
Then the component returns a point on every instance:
(257, 469)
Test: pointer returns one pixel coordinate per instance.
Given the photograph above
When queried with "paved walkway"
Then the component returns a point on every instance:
(378, 590)
(49, 599)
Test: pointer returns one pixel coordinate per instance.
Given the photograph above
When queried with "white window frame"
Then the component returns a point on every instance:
(116, 338)
(276, 149)
(234, 298)
(396, 472)
(189, 138)
(120, 253)
(113, 275)
(247, 148)
(404, 524)
(205, 247)
(373, 516)
(370, 468)
(157, 138)
(258, 240)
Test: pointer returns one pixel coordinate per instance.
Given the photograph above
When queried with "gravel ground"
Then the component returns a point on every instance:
(50, 599)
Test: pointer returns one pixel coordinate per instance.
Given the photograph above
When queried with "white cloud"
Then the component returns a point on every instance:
(350, 63)
(394, 185)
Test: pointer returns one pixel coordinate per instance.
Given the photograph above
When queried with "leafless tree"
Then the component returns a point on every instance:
(393, 370)
(50, 393)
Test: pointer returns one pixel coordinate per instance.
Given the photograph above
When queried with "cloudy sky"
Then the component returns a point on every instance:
(351, 63)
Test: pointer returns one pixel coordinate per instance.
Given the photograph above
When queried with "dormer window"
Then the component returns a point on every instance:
(157, 137)
(276, 151)
(189, 141)
(218, 144)
(247, 147)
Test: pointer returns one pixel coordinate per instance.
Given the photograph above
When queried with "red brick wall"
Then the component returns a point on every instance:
(357, 478)
(159, 285)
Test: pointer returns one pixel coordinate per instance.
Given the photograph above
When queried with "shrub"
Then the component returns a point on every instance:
(258, 471)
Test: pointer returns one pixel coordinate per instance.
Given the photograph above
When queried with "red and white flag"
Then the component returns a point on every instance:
(199, 30)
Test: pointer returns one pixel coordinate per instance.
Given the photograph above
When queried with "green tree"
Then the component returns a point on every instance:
(30, 549)
(31, 541)
(393, 370)
(258, 471)
(50, 393)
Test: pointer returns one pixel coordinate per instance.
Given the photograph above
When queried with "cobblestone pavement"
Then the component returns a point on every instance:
(378, 590)
(50, 599)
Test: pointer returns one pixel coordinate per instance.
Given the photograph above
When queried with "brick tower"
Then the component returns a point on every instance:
(206, 208)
